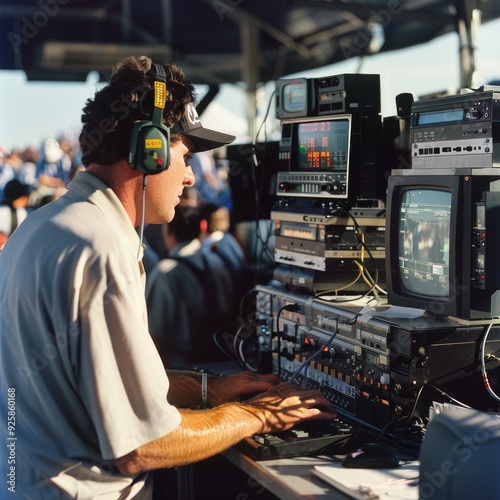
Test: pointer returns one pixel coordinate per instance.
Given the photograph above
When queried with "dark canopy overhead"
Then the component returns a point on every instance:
(222, 41)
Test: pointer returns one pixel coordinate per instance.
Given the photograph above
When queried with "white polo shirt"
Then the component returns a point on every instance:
(75, 350)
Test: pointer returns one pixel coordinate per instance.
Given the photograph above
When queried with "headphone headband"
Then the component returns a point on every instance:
(160, 94)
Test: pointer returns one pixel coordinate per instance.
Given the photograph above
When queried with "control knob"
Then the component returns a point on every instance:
(331, 187)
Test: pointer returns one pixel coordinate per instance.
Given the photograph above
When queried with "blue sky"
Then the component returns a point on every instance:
(34, 111)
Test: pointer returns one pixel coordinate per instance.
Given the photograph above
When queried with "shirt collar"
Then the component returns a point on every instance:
(86, 185)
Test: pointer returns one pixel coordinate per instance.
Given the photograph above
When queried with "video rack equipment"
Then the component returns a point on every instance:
(313, 242)
(457, 132)
(350, 362)
(329, 163)
(331, 131)
(329, 249)
(381, 371)
(419, 348)
(334, 157)
(346, 93)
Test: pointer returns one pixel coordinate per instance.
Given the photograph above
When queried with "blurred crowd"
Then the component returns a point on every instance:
(31, 177)
(46, 170)
(195, 262)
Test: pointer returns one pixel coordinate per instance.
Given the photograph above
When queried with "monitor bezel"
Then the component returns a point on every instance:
(281, 112)
(458, 301)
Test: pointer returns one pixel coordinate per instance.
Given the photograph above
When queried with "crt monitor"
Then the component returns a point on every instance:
(294, 98)
(438, 249)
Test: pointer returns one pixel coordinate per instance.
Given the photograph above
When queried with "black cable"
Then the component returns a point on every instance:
(421, 388)
(243, 320)
(215, 338)
(266, 115)
(258, 197)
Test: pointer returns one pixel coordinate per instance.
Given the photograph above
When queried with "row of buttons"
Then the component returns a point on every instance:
(458, 149)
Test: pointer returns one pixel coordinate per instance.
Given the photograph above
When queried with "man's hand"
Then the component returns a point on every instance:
(205, 433)
(284, 405)
(233, 387)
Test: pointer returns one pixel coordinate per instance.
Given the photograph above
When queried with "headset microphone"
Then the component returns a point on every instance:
(150, 139)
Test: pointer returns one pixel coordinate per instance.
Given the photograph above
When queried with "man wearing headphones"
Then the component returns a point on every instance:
(88, 405)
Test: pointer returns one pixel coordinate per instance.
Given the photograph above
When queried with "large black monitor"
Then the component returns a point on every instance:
(442, 244)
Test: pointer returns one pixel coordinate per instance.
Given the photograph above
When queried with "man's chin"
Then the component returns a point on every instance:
(165, 219)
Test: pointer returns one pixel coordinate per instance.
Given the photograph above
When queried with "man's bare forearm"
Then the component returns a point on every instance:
(202, 433)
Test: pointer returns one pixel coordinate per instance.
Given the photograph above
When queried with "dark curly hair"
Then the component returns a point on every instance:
(108, 118)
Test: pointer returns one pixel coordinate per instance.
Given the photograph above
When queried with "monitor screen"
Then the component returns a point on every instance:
(323, 145)
(294, 96)
(424, 242)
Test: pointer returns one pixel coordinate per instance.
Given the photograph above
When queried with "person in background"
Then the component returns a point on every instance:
(13, 209)
(53, 170)
(189, 295)
(7, 173)
(206, 176)
(223, 169)
(96, 409)
(217, 238)
(154, 236)
(27, 170)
